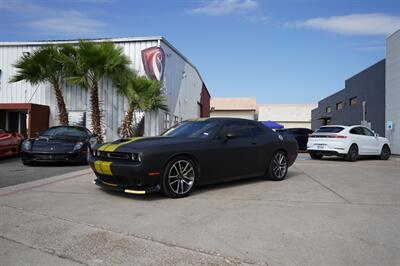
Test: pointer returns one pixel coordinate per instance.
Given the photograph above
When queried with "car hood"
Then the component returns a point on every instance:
(143, 143)
(54, 145)
(5, 136)
(382, 139)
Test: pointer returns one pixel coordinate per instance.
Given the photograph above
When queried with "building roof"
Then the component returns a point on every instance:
(115, 40)
(242, 103)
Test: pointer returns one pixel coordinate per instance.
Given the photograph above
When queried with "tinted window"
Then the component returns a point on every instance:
(2, 130)
(238, 129)
(368, 132)
(329, 130)
(255, 131)
(357, 131)
(78, 132)
(192, 129)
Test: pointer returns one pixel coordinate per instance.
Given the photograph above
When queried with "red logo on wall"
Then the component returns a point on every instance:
(153, 62)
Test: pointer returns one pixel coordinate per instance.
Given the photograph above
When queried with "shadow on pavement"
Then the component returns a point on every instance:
(199, 190)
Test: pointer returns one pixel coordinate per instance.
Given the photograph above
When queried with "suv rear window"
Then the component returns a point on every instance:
(329, 130)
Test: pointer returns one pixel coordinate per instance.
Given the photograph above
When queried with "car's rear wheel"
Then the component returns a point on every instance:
(385, 152)
(278, 166)
(352, 154)
(179, 177)
(316, 156)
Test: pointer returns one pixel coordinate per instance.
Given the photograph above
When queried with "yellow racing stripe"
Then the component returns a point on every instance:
(113, 147)
(106, 168)
(103, 167)
(97, 167)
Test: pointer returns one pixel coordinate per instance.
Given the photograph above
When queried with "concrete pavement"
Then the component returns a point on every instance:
(327, 212)
(13, 172)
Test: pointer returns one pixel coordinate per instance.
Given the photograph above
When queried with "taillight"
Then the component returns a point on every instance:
(328, 136)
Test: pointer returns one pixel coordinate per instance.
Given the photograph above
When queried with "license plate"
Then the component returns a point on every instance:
(320, 146)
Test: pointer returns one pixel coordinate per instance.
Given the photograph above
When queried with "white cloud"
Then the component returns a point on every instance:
(225, 7)
(67, 22)
(42, 19)
(355, 24)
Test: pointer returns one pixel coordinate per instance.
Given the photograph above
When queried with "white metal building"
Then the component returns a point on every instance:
(393, 91)
(288, 115)
(187, 95)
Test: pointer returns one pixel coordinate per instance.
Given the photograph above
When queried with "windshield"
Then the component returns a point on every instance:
(329, 130)
(192, 129)
(74, 132)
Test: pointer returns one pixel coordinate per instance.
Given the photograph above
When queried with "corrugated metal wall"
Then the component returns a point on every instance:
(181, 81)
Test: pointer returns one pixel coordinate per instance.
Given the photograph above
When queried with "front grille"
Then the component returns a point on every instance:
(114, 155)
(122, 181)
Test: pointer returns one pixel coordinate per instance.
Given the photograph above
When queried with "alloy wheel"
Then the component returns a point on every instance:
(279, 165)
(181, 177)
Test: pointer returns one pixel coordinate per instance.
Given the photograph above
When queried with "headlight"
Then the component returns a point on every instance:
(79, 145)
(92, 142)
(136, 157)
(27, 145)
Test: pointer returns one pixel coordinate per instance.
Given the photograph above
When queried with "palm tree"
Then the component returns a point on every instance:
(143, 95)
(87, 64)
(43, 66)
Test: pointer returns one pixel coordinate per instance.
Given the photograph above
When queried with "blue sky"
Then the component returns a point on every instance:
(279, 51)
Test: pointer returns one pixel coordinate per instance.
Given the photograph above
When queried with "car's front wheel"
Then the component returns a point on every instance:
(278, 166)
(385, 152)
(179, 177)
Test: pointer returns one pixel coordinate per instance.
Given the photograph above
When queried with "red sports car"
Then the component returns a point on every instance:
(10, 143)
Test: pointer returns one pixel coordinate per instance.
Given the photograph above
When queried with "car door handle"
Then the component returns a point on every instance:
(254, 143)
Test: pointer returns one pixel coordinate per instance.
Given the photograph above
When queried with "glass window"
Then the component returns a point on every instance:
(328, 109)
(329, 130)
(339, 106)
(357, 131)
(238, 129)
(255, 131)
(368, 132)
(192, 129)
(76, 132)
(353, 101)
(166, 120)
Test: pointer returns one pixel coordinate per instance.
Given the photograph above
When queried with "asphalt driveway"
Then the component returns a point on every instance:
(13, 172)
(327, 212)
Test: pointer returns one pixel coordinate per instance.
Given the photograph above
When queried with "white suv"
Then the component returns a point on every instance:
(349, 142)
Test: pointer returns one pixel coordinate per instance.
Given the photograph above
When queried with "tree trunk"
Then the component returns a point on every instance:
(95, 114)
(62, 110)
(127, 130)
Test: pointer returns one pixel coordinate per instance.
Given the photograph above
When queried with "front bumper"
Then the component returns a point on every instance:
(125, 189)
(73, 157)
(125, 176)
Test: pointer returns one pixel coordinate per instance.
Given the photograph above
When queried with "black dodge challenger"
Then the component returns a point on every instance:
(58, 144)
(195, 152)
